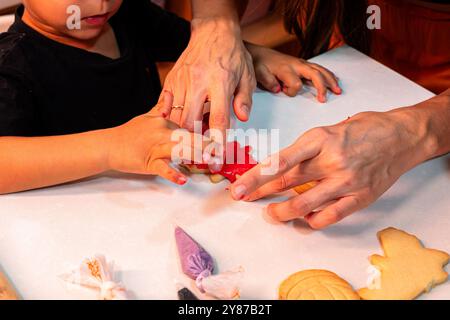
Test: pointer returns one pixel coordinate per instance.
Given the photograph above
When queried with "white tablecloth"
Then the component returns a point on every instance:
(130, 219)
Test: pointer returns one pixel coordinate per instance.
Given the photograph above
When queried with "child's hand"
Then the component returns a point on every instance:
(279, 72)
(144, 146)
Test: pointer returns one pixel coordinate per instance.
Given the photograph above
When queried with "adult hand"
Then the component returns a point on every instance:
(355, 162)
(214, 67)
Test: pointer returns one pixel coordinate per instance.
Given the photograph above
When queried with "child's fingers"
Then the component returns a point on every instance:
(162, 168)
(267, 79)
(318, 81)
(292, 84)
(331, 78)
(187, 150)
(165, 103)
(243, 100)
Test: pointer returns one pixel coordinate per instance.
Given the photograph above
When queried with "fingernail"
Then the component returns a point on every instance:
(270, 212)
(245, 108)
(206, 157)
(182, 180)
(215, 166)
(239, 192)
(268, 218)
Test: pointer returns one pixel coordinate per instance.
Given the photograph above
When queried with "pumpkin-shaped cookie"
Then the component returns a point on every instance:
(316, 285)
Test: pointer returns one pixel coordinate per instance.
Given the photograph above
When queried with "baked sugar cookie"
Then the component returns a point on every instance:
(407, 268)
(316, 285)
(305, 187)
(7, 291)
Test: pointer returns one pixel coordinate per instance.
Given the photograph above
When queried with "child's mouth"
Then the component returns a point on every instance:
(98, 20)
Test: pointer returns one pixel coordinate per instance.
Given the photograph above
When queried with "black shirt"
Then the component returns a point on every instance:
(48, 88)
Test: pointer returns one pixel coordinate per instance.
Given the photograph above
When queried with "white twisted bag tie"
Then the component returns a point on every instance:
(96, 273)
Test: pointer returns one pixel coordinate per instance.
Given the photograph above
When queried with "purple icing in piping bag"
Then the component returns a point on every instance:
(196, 262)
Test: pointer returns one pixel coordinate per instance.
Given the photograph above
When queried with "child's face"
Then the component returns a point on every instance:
(61, 16)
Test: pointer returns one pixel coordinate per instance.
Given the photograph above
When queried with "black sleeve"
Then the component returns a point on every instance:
(165, 34)
(16, 108)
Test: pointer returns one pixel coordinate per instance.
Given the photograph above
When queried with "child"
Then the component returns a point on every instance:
(74, 102)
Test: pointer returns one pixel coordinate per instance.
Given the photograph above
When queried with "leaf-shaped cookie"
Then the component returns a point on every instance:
(316, 285)
(407, 268)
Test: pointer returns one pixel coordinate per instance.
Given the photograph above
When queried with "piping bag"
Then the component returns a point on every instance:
(96, 273)
(198, 265)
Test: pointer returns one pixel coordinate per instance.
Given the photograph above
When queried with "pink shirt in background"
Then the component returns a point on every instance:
(256, 9)
(160, 3)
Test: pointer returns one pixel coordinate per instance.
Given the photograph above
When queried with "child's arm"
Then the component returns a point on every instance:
(268, 31)
(143, 145)
(29, 163)
(280, 72)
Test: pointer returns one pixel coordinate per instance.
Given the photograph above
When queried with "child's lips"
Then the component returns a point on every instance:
(98, 20)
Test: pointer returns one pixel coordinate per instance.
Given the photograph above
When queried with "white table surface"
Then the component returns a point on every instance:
(130, 219)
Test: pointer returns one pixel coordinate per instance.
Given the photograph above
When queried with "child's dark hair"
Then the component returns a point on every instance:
(314, 21)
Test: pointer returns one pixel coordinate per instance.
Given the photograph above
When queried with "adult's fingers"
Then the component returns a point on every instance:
(295, 177)
(304, 204)
(274, 167)
(243, 101)
(267, 79)
(219, 118)
(193, 108)
(292, 84)
(334, 213)
(162, 168)
(179, 97)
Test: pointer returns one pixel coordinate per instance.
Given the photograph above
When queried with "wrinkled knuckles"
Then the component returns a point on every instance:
(319, 133)
(283, 163)
(219, 119)
(301, 206)
(339, 161)
(297, 85)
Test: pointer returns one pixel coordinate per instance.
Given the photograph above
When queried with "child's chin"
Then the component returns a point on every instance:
(86, 35)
